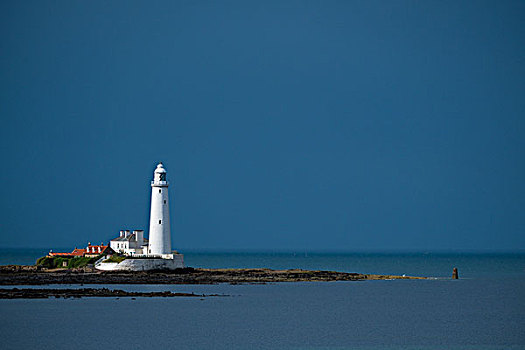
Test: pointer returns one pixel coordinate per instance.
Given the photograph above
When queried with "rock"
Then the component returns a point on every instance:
(42, 293)
(10, 276)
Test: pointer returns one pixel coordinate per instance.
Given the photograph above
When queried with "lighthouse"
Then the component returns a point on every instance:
(159, 221)
(140, 254)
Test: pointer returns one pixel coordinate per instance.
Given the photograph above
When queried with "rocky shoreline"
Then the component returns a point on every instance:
(31, 275)
(44, 293)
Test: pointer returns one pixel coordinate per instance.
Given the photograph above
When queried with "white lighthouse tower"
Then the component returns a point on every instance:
(159, 221)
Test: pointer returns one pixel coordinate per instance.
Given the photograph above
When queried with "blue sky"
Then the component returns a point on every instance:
(284, 125)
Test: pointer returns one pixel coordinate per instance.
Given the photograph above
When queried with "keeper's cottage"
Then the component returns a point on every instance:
(155, 253)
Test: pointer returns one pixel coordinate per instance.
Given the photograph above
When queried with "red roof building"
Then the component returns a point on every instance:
(76, 252)
(90, 251)
(95, 250)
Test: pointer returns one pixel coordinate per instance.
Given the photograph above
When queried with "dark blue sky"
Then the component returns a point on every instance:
(319, 125)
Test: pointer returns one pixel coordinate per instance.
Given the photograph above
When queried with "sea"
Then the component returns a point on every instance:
(484, 309)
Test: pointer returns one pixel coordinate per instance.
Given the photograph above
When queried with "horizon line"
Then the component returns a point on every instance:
(321, 250)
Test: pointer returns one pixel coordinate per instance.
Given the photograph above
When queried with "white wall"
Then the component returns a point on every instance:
(143, 264)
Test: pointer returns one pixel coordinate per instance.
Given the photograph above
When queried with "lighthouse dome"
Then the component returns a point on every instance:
(160, 169)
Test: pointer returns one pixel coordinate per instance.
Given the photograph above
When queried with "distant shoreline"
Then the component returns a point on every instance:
(30, 275)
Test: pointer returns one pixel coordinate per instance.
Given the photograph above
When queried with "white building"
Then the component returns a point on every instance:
(156, 252)
(130, 243)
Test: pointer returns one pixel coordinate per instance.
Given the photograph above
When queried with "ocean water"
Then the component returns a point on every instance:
(485, 309)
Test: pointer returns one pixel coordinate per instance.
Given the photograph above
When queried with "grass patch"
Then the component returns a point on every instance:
(115, 258)
(59, 262)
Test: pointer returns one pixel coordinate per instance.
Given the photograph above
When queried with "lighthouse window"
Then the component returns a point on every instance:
(160, 221)
(160, 191)
(164, 201)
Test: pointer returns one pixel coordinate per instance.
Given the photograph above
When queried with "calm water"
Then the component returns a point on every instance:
(485, 310)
